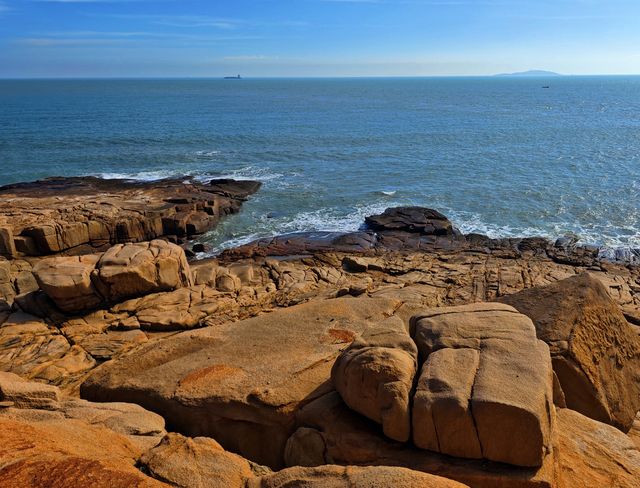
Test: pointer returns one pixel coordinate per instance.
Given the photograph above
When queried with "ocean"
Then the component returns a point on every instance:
(499, 156)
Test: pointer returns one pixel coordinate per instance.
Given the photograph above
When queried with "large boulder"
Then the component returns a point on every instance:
(129, 270)
(77, 284)
(595, 353)
(375, 375)
(241, 383)
(486, 386)
(67, 281)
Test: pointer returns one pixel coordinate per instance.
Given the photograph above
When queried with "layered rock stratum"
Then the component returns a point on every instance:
(404, 354)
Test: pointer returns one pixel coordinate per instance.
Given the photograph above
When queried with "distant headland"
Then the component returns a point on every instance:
(532, 73)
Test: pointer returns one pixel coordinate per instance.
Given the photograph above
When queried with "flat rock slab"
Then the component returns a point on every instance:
(241, 383)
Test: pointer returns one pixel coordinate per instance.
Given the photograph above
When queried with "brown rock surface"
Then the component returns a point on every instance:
(81, 283)
(66, 453)
(374, 376)
(72, 214)
(331, 433)
(486, 385)
(351, 477)
(594, 454)
(36, 402)
(596, 354)
(241, 383)
(634, 433)
(196, 463)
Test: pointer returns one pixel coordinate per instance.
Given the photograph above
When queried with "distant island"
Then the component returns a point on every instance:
(533, 72)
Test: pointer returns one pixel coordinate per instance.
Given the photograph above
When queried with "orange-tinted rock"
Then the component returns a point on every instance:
(352, 477)
(594, 454)
(78, 214)
(596, 354)
(196, 463)
(67, 453)
(124, 271)
(331, 433)
(241, 383)
(375, 375)
(486, 385)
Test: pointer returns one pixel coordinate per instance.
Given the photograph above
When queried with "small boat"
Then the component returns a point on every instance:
(546, 87)
(232, 77)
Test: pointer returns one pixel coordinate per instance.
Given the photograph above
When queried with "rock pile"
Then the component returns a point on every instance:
(405, 354)
(86, 213)
(82, 283)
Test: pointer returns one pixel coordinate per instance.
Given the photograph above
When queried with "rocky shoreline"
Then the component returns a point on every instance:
(406, 354)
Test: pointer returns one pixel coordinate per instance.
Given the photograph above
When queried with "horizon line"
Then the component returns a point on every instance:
(275, 77)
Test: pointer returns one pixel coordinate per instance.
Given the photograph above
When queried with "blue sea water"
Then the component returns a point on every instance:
(501, 156)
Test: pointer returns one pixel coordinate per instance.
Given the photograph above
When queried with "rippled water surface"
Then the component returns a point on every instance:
(500, 156)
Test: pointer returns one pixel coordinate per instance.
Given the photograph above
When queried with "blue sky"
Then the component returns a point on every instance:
(98, 38)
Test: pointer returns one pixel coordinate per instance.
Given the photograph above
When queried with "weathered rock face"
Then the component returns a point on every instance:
(81, 283)
(351, 477)
(241, 383)
(411, 219)
(31, 348)
(375, 376)
(130, 270)
(485, 389)
(80, 214)
(67, 281)
(596, 354)
(29, 401)
(592, 453)
(196, 463)
(202, 463)
(331, 433)
(67, 453)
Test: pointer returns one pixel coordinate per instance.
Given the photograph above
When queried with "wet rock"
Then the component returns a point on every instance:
(420, 220)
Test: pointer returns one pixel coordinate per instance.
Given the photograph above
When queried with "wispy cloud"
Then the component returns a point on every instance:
(249, 58)
(77, 39)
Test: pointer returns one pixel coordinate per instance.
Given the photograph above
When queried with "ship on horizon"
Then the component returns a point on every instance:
(233, 77)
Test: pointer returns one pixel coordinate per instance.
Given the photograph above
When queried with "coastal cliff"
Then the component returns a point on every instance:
(404, 354)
